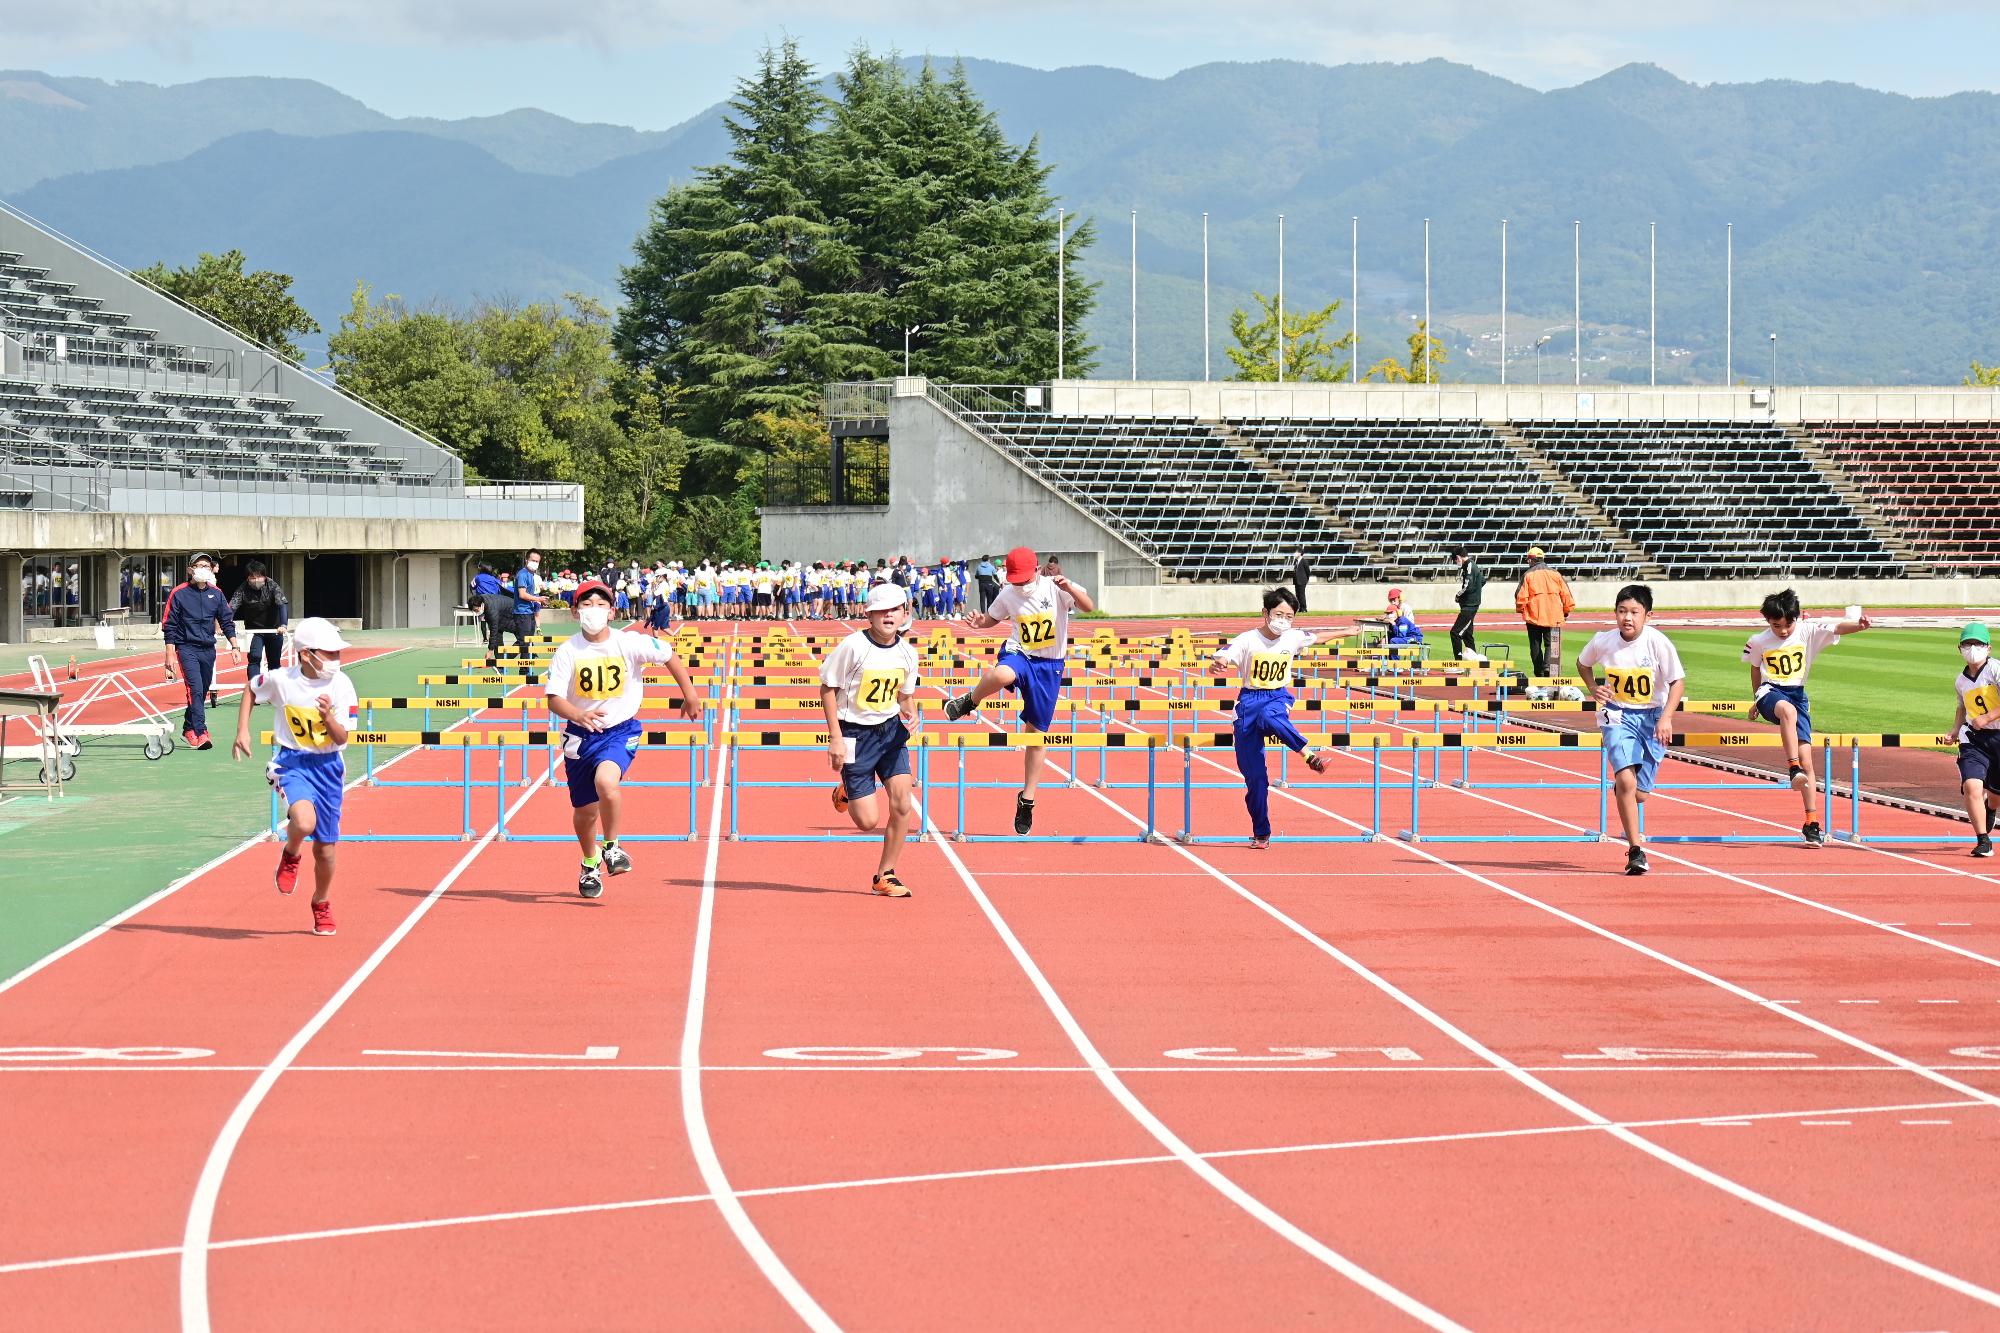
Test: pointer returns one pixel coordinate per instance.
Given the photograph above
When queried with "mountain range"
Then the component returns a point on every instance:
(1863, 222)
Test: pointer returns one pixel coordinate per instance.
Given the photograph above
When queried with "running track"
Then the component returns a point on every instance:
(1353, 1086)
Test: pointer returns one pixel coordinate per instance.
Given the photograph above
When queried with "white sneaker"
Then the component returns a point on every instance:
(1574, 694)
(1537, 692)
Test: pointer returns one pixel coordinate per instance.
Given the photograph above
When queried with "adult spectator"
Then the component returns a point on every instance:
(259, 604)
(196, 612)
(989, 581)
(1301, 575)
(1543, 599)
(496, 609)
(1471, 589)
(528, 602)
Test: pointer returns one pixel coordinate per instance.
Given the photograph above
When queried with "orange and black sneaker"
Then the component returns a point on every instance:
(886, 885)
(840, 798)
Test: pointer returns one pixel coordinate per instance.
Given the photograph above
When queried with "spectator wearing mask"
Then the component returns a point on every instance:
(196, 612)
(259, 604)
(528, 602)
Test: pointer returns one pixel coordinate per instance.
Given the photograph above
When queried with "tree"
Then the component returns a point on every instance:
(257, 305)
(1984, 377)
(1394, 372)
(1308, 355)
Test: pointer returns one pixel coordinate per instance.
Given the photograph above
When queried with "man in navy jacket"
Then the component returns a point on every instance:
(196, 612)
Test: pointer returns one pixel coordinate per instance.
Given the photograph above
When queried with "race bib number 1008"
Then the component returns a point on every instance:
(1268, 671)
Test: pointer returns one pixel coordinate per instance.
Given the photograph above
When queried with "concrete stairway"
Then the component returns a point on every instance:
(1284, 481)
(1844, 486)
(1532, 459)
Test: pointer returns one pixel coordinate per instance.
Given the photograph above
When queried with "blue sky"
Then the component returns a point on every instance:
(653, 63)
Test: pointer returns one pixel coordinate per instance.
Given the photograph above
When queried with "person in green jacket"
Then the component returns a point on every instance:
(1471, 588)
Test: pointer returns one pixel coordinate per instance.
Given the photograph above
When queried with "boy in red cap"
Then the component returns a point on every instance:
(1031, 661)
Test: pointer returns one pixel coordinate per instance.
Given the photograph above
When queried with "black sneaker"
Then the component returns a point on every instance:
(1635, 861)
(957, 707)
(1024, 814)
(1814, 834)
(615, 861)
(1983, 847)
(589, 883)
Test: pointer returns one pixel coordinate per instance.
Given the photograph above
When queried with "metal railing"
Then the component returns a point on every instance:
(857, 400)
(174, 367)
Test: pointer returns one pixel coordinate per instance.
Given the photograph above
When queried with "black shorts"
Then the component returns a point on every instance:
(1978, 756)
(881, 752)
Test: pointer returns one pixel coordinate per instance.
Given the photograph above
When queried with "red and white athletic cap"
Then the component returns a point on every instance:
(1023, 564)
(594, 585)
(1395, 594)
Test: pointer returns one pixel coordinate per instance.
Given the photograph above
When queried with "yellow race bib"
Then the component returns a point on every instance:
(1035, 629)
(1270, 671)
(307, 727)
(1980, 703)
(1785, 666)
(1631, 686)
(600, 677)
(879, 689)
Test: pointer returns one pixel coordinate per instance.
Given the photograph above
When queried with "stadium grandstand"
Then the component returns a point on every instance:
(133, 430)
(1174, 495)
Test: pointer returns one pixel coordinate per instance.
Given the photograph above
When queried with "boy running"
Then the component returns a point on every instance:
(1780, 659)
(315, 706)
(867, 686)
(595, 686)
(1031, 661)
(1977, 726)
(1642, 687)
(1264, 656)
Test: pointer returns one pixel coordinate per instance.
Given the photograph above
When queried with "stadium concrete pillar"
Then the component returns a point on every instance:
(289, 569)
(104, 573)
(12, 627)
(384, 591)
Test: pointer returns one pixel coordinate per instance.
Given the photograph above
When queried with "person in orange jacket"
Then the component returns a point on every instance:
(1543, 599)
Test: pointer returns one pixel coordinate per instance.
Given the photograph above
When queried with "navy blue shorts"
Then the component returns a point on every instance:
(309, 775)
(1767, 706)
(1038, 680)
(1978, 756)
(1631, 740)
(584, 750)
(881, 752)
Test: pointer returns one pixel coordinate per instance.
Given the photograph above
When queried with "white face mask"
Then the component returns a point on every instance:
(1279, 624)
(319, 669)
(1975, 654)
(201, 574)
(534, 564)
(593, 618)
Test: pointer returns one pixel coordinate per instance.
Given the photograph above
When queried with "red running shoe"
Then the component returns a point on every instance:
(288, 872)
(202, 742)
(840, 797)
(322, 918)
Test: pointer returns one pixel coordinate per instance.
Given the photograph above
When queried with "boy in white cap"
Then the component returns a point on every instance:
(595, 685)
(1977, 727)
(867, 686)
(1031, 661)
(315, 706)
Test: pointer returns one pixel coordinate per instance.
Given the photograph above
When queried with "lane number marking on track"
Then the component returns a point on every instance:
(68, 1054)
(1288, 1054)
(961, 1054)
(589, 1053)
(1977, 1052)
(1685, 1053)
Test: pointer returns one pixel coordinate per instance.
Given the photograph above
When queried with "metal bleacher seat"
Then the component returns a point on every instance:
(1933, 479)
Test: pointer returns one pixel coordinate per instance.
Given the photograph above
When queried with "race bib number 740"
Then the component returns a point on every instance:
(1632, 686)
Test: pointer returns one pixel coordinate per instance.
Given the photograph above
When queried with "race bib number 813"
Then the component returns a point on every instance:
(600, 677)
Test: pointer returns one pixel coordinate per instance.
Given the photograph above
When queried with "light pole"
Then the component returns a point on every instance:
(914, 328)
(1539, 342)
(1774, 370)
(1062, 247)
(1206, 333)
(1503, 302)
(1281, 298)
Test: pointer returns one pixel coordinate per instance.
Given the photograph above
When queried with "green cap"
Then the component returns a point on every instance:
(1975, 633)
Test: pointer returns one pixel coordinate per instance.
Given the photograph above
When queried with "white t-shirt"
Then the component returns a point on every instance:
(1639, 673)
(1040, 612)
(1265, 664)
(299, 725)
(1786, 661)
(606, 674)
(871, 680)
(1981, 696)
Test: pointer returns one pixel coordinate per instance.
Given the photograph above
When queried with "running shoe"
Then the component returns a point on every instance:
(1798, 778)
(1815, 835)
(202, 742)
(288, 872)
(1635, 861)
(840, 798)
(615, 860)
(1259, 844)
(1316, 760)
(211, 698)
(1983, 847)
(589, 883)
(1574, 694)
(957, 707)
(886, 885)
(1024, 814)
(322, 918)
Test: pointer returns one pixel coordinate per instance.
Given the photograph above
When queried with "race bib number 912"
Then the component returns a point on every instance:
(307, 727)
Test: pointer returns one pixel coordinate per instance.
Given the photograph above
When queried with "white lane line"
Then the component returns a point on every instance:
(727, 1201)
(195, 1236)
(937, 1177)
(1616, 1067)
(1775, 1207)
(1166, 1138)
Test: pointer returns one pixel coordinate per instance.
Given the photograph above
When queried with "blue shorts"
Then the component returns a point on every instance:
(584, 750)
(1767, 706)
(1978, 756)
(881, 752)
(1038, 680)
(320, 779)
(1631, 741)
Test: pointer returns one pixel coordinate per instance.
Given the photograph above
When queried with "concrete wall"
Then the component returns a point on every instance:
(1491, 402)
(1720, 594)
(950, 493)
(65, 530)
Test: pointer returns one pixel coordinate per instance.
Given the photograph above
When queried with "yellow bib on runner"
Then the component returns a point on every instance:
(308, 728)
(600, 677)
(1981, 703)
(1035, 629)
(1785, 666)
(1631, 686)
(1270, 671)
(879, 689)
